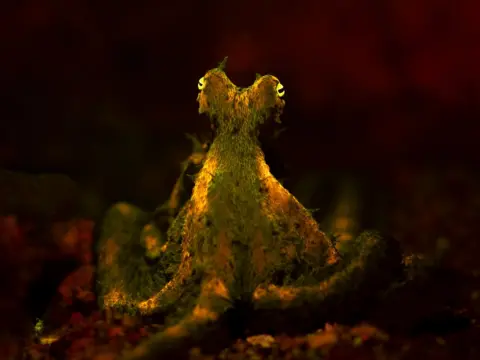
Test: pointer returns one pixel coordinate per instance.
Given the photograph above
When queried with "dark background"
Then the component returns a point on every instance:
(104, 91)
(386, 92)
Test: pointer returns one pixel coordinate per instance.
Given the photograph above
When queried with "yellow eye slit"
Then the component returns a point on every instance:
(280, 90)
(201, 83)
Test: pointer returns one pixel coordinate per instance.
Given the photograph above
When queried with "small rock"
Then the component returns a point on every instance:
(365, 332)
(116, 331)
(264, 341)
(322, 339)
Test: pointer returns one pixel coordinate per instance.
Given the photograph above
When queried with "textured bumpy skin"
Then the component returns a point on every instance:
(134, 258)
(241, 243)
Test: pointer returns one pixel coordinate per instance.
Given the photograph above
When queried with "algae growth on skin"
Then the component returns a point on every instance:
(241, 242)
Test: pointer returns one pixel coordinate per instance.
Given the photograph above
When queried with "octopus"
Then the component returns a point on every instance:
(239, 255)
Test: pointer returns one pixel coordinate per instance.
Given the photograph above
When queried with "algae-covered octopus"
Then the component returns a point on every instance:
(241, 254)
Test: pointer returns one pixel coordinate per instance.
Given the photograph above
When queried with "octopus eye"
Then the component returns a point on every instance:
(280, 90)
(201, 83)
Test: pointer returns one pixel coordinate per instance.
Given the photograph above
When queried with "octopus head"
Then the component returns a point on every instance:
(229, 104)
